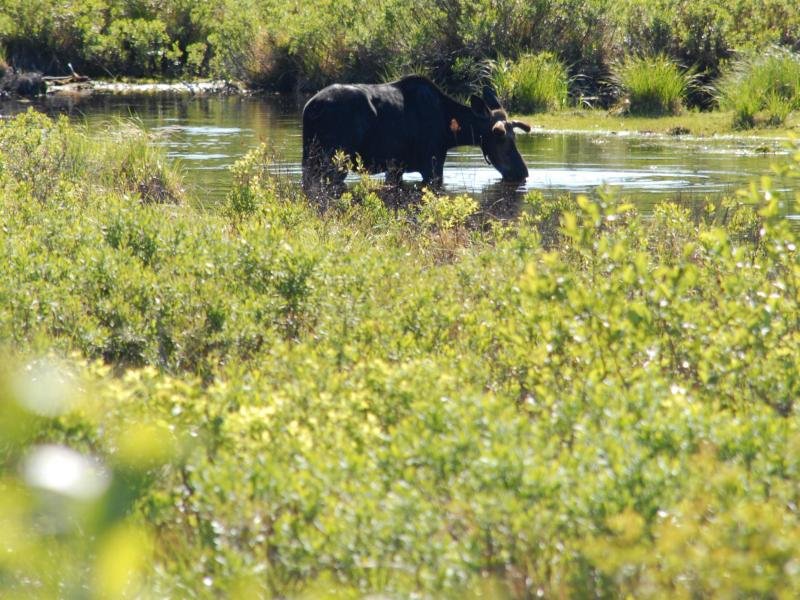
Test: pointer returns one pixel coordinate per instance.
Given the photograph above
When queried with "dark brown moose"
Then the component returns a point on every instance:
(404, 126)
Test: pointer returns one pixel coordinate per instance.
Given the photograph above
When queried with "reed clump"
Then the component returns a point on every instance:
(761, 88)
(651, 85)
(534, 83)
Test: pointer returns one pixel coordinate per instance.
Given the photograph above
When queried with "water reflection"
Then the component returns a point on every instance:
(501, 201)
(208, 134)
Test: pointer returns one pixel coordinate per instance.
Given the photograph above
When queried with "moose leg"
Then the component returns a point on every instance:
(394, 175)
(322, 179)
(314, 159)
(433, 171)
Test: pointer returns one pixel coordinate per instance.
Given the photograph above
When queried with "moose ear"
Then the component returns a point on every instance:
(520, 125)
(479, 106)
(491, 98)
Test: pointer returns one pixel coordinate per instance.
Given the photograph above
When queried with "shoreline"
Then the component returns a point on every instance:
(598, 122)
(687, 125)
(212, 87)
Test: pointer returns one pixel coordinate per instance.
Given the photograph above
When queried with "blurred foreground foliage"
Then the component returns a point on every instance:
(269, 399)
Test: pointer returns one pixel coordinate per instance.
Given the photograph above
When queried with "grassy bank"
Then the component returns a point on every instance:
(264, 399)
(698, 123)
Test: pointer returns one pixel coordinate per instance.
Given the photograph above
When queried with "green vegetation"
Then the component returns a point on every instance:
(521, 46)
(46, 158)
(534, 83)
(290, 45)
(690, 121)
(268, 399)
(652, 85)
(766, 83)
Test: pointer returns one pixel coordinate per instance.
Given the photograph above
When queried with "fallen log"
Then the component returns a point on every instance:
(65, 79)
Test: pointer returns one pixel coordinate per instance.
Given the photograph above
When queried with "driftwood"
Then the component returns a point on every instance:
(73, 77)
(65, 79)
(14, 83)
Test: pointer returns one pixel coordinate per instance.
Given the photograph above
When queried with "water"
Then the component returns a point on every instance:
(208, 134)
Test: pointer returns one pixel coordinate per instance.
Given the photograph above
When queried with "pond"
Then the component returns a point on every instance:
(208, 134)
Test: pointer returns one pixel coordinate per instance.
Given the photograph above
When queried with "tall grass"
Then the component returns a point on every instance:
(761, 87)
(534, 83)
(652, 85)
(50, 158)
(132, 161)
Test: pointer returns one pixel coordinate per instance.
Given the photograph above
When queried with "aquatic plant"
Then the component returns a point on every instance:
(761, 82)
(49, 158)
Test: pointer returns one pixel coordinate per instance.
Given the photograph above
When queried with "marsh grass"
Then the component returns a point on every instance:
(651, 85)
(129, 157)
(533, 83)
(761, 88)
(50, 157)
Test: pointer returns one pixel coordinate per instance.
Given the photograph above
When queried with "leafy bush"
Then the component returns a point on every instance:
(696, 33)
(272, 400)
(133, 46)
(767, 82)
(534, 83)
(652, 85)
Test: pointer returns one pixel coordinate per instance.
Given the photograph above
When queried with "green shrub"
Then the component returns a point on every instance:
(533, 83)
(265, 399)
(133, 46)
(763, 84)
(651, 85)
(443, 212)
(697, 33)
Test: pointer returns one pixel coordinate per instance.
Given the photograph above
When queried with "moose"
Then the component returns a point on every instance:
(403, 126)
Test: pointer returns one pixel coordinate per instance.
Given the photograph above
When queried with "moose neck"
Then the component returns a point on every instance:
(468, 127)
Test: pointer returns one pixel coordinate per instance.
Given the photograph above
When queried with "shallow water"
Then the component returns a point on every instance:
(208, 134)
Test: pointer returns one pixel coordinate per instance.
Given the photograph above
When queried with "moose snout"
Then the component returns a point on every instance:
(516, 175)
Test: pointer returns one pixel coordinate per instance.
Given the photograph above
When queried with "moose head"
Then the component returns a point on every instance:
(497, 138)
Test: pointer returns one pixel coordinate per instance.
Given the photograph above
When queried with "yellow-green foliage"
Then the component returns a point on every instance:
(269, 399)
(48, 159)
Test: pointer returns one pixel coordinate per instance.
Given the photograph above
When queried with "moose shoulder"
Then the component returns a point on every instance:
(404, 126)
